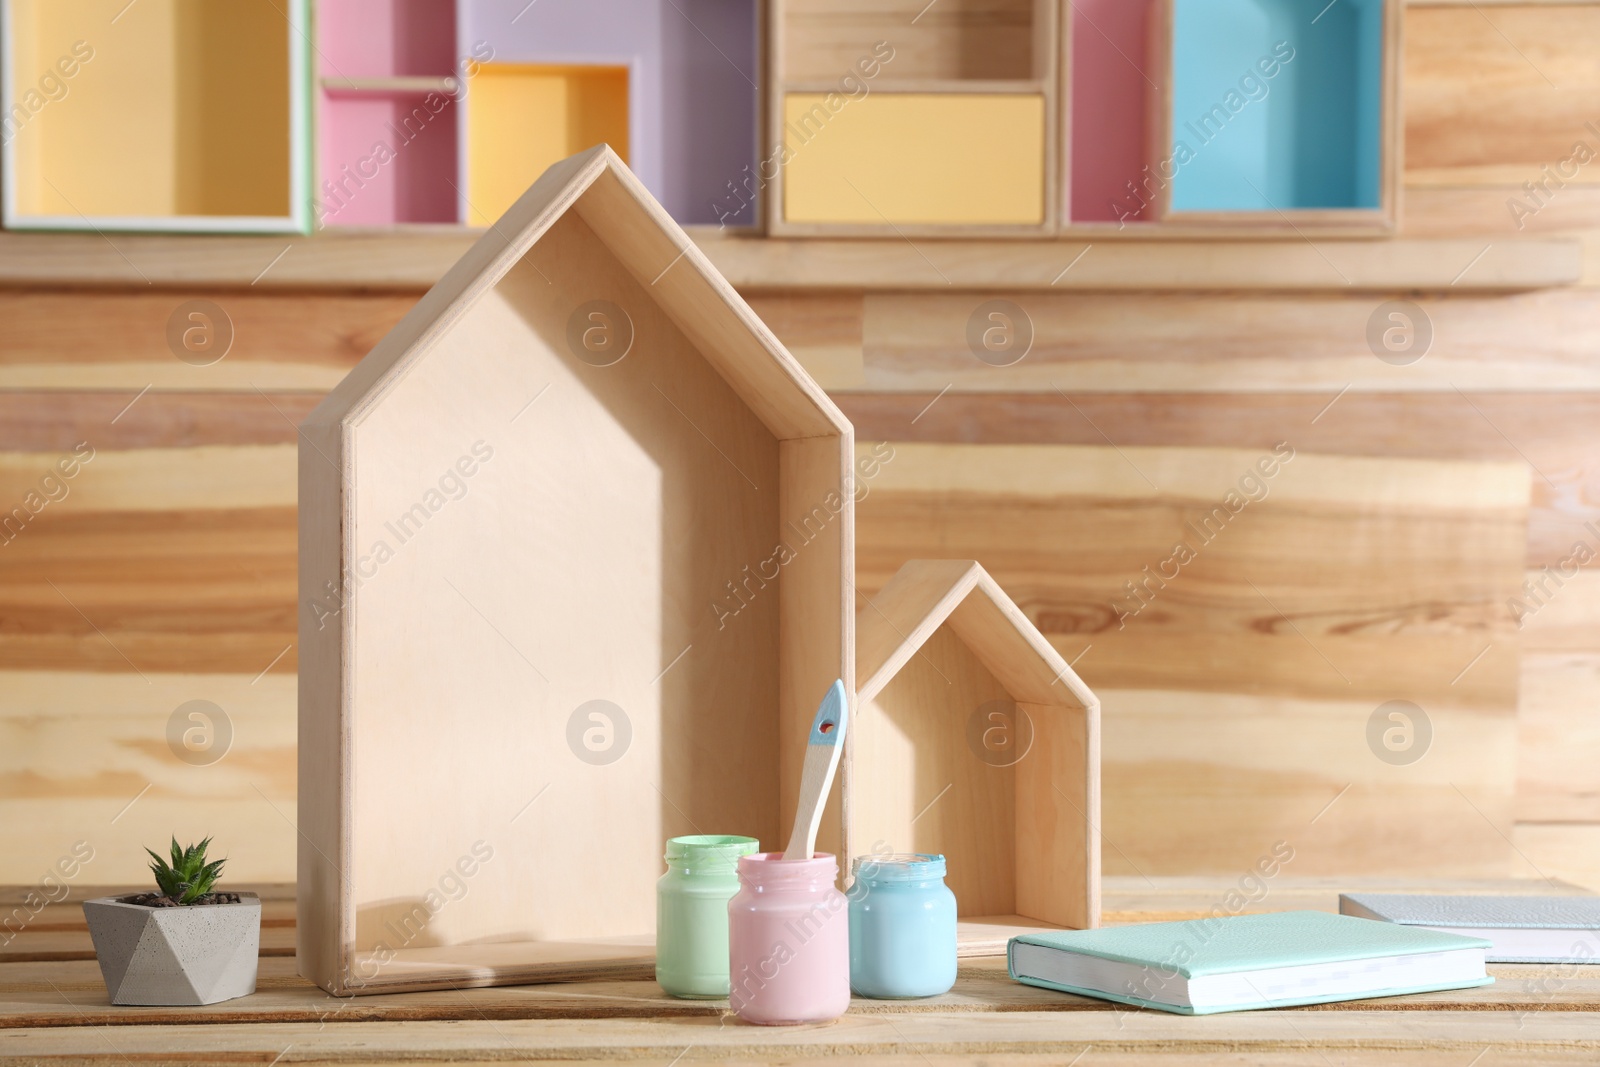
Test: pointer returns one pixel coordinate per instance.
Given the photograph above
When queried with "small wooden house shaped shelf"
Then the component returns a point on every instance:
(975, 739)
(160, 115)
(575, 557)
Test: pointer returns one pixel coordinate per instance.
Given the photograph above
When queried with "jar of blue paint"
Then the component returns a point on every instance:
(902, 927)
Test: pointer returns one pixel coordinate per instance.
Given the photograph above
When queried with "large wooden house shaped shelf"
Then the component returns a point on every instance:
(576, 557)
(974, 738)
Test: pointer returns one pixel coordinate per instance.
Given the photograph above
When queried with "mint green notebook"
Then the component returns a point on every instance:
(1238, 962)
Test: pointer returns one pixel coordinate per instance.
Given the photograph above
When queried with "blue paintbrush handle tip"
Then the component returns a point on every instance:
(828, 727)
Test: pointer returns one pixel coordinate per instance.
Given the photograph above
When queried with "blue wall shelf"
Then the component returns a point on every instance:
(1277, 109)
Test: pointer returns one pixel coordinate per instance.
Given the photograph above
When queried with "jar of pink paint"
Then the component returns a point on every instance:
(788, 941)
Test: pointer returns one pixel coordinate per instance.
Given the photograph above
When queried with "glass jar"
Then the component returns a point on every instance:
(692, 913)
(902, 927)
(789, 940)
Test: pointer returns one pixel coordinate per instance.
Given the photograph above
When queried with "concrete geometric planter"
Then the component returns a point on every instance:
(196, 954)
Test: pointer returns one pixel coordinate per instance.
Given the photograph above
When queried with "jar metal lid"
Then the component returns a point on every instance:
(899, 867)
(718, 850)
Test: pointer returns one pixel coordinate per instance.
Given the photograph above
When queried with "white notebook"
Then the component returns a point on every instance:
(1519, 929)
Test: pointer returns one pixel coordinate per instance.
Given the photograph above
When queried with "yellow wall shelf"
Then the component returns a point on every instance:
(156, 116)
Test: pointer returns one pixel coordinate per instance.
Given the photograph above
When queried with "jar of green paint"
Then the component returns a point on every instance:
(692, 913)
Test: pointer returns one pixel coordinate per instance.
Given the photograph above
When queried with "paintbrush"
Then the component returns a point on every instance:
(822, 759)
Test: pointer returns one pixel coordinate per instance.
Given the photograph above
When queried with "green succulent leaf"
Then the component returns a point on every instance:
(188, 877)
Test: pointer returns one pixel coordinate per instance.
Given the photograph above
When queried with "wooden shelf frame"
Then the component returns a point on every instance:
(415, 257)
(942, 648)
(1051, 79)
(20, 83)
(398, 85)
(1288, 222)
(447, 84)
(615, 468)
(1042, 81)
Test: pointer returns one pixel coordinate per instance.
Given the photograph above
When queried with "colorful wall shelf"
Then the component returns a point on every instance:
(481, 562)
(524, 117)
(687, 121)
(1109, 83)
(997, 118)
(936, 140)
(161, 115)
(1275, 109)
(388, 112)
(896, 117)
(916, 159)
(973, 738)
(474, 99)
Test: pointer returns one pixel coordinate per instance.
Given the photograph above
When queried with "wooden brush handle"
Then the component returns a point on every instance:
(816, 778)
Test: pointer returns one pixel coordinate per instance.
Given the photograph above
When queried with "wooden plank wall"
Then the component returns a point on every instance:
(1238, 681)
(1496, 96)
(165, 573)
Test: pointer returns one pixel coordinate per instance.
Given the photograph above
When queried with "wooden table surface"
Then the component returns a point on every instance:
(53, 1008)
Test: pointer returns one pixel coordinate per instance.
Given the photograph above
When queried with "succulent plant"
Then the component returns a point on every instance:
(188, 878)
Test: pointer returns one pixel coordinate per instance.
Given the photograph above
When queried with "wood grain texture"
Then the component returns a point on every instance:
(978, 39)
(56, 420)
(1144, 264)
(1532, 60)
(55, 1009)
(821, 330)
(195, 591)
(335, 258)
(1499, 206)
(1564, 850)
(1558, 735)
(1556, 786)
(278, 342)
(103, 758)
(1234, 342)
(1263, 620)
(149, 560)
(411, 261)
(1550, 432)
(1440, 1036)
(69, 993)
(144, 480)
(1260, 771)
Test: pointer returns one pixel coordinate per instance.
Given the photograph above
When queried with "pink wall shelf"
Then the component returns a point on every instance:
(388, 112)
(1110, 109)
